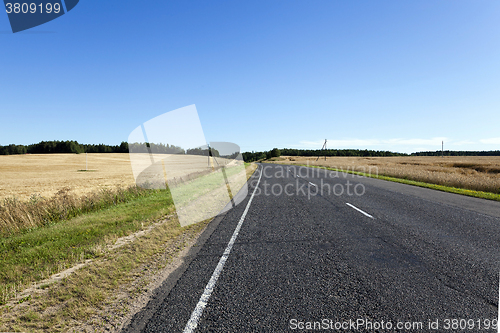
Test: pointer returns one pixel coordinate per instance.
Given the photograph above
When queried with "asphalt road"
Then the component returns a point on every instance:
(375, 255)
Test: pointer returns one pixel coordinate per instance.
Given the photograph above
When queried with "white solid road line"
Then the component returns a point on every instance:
(359, 210)
(202, 303)
(313, 184)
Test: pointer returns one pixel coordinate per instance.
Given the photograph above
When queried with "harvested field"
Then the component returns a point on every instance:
(469, 172)
(22, 176)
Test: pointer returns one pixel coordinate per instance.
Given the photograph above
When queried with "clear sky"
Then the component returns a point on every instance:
(376, 74)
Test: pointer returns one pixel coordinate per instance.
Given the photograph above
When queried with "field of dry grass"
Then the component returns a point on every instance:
(468, 172)
(22, 176)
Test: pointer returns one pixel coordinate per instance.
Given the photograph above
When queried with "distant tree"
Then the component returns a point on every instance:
(204, 152)
(124, 147)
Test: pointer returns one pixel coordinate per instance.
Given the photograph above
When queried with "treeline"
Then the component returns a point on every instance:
(255, 156)
(73, 147)
(457, 153)
(154, 148)
(62, 147)
(261, 155)
(338, 152)
(203, 152)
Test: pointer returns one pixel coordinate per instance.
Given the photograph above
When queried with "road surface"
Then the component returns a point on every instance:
(336, 252)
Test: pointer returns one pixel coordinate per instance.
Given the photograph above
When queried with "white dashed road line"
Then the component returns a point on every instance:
(359, 210)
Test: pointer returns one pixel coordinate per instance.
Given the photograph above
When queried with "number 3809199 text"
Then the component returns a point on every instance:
(32, 8)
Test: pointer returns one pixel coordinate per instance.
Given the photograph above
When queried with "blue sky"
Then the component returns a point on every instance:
(385, 75)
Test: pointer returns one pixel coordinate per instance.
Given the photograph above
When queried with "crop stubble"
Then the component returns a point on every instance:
(22, 176)
(478, 173)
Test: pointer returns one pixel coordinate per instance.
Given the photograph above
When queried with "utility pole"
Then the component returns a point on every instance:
(212, 159)
(324, 147)
(209, 155)
(442, 149)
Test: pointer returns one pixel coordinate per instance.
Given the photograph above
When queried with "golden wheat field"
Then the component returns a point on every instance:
(24, 175)
(470, 172)
(21, 176)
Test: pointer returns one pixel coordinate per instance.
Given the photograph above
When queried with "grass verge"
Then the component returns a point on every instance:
(472, 193)
(23, 216)
(36, 255)
(115, 277)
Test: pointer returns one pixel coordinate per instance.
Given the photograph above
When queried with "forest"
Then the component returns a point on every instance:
(73, 147)
(256, 156)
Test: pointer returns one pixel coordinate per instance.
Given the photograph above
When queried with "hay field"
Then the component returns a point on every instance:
(24, 175)
(469, 172)
(21, 176)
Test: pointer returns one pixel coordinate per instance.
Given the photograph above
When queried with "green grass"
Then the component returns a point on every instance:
(35, 255)
(472, 193)
(24, 216)
(86, 292)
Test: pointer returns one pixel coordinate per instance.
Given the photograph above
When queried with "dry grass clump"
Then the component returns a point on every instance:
(17, 215)
(468, 172)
